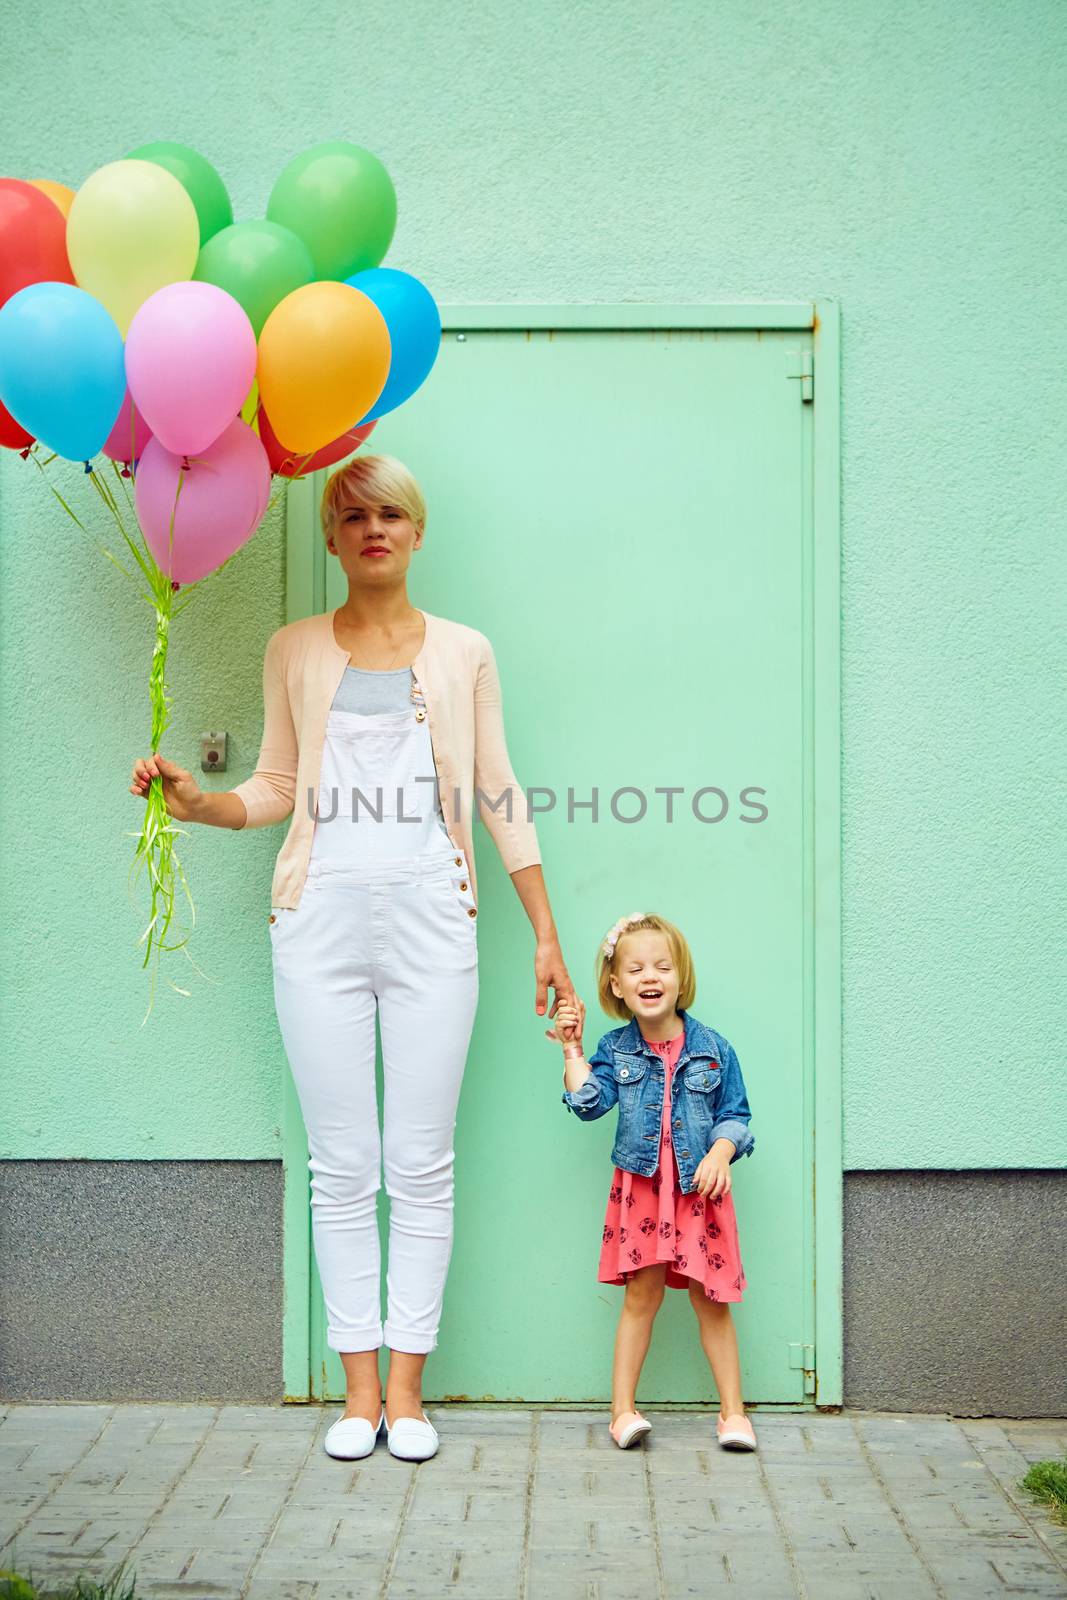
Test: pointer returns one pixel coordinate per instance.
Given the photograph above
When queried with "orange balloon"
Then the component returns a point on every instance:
(57, 192)
(324, 357)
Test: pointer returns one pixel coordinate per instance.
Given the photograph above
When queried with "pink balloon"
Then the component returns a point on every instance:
(224, 493)
(128, 437)
(190, 361)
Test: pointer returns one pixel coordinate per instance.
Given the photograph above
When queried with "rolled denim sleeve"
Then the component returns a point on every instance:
(599, 1092)
(732, 1113)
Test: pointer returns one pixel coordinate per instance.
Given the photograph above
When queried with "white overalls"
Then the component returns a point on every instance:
(384, 925)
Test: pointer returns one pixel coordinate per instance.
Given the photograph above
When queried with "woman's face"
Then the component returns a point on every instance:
(373, 543)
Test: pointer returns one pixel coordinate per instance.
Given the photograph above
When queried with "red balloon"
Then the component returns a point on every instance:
(12, 437)
(33, 239)
(287, 464)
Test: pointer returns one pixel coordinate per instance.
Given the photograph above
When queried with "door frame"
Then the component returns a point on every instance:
(306, 593)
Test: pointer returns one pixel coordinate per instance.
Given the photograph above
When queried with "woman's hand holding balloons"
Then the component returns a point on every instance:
(180, 789)
(203, 355)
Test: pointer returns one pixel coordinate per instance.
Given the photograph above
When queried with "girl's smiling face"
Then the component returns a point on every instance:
(644, 976)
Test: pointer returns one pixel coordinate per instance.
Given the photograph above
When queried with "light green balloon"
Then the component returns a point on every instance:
(198, 177)
(340, 200)
(259, 263)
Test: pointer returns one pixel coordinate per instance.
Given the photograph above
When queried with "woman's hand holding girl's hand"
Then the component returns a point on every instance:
(568, 1032)
(568, 1027)
(180, 789)
(550, 970)
(712, 1176)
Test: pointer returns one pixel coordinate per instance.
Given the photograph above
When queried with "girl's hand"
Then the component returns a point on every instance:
(568, 1028)
(180, 789)
(712, 1176)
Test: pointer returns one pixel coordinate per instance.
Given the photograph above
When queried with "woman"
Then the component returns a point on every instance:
(379, 720)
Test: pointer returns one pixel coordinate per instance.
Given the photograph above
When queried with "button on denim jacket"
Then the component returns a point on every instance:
(708, 1099)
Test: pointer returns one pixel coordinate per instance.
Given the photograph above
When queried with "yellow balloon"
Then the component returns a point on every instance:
(250, 410)
(323, 360)
(58, 193)
(132, 228)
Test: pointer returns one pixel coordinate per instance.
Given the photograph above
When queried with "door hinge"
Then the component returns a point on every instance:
(803, 367)
(802, 1359)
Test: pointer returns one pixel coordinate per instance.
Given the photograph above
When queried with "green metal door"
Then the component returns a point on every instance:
(629, 512)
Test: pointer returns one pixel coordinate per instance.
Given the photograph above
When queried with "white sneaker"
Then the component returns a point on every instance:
(351, 1438)
(412, 1439)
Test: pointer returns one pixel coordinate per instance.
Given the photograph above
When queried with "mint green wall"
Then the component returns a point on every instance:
(909, 163)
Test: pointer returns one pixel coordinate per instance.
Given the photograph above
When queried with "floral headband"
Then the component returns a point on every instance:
(618, 928)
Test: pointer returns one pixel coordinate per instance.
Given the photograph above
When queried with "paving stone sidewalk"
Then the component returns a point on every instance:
(241, 1503)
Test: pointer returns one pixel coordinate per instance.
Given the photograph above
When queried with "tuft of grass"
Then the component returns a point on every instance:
(13, 1586)
(1047, 1481)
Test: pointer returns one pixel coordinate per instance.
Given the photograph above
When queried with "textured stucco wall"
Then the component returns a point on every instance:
(908, 161)
(141, 1280)
(956, 1292)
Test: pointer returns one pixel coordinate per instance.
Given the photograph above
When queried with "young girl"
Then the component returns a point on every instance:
(683, 1118)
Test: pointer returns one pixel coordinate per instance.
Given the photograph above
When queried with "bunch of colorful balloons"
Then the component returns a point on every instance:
(201, 355)
(139, 320)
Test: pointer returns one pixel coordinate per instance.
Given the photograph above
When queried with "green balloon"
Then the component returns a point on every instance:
(199, 179)
(259, 263)
(340, 200)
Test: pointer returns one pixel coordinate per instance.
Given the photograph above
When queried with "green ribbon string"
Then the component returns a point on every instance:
(154, 851)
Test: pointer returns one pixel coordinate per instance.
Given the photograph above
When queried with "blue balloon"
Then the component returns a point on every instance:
(62, 372)
(414, 324)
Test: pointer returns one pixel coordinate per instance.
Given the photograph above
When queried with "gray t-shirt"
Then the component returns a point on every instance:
(370, 693)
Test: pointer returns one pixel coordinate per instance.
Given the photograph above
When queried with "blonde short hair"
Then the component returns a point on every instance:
(372, 481)
(681, 955)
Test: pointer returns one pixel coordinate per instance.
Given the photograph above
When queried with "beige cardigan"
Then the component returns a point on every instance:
(456, 670)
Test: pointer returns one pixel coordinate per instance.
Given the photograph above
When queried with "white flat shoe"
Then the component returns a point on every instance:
(410, 1439)
(352, 1438)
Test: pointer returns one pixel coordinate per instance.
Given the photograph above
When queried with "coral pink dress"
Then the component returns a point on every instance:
(650, 1220)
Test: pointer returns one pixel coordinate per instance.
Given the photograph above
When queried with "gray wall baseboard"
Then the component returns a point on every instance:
(162, 1280)
(141, 1280)
(956, 1292)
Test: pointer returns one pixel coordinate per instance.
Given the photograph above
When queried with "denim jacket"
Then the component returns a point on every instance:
(708, 1099)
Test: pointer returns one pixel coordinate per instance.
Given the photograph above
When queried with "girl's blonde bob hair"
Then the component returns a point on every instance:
(372, 481)
(681, 955)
